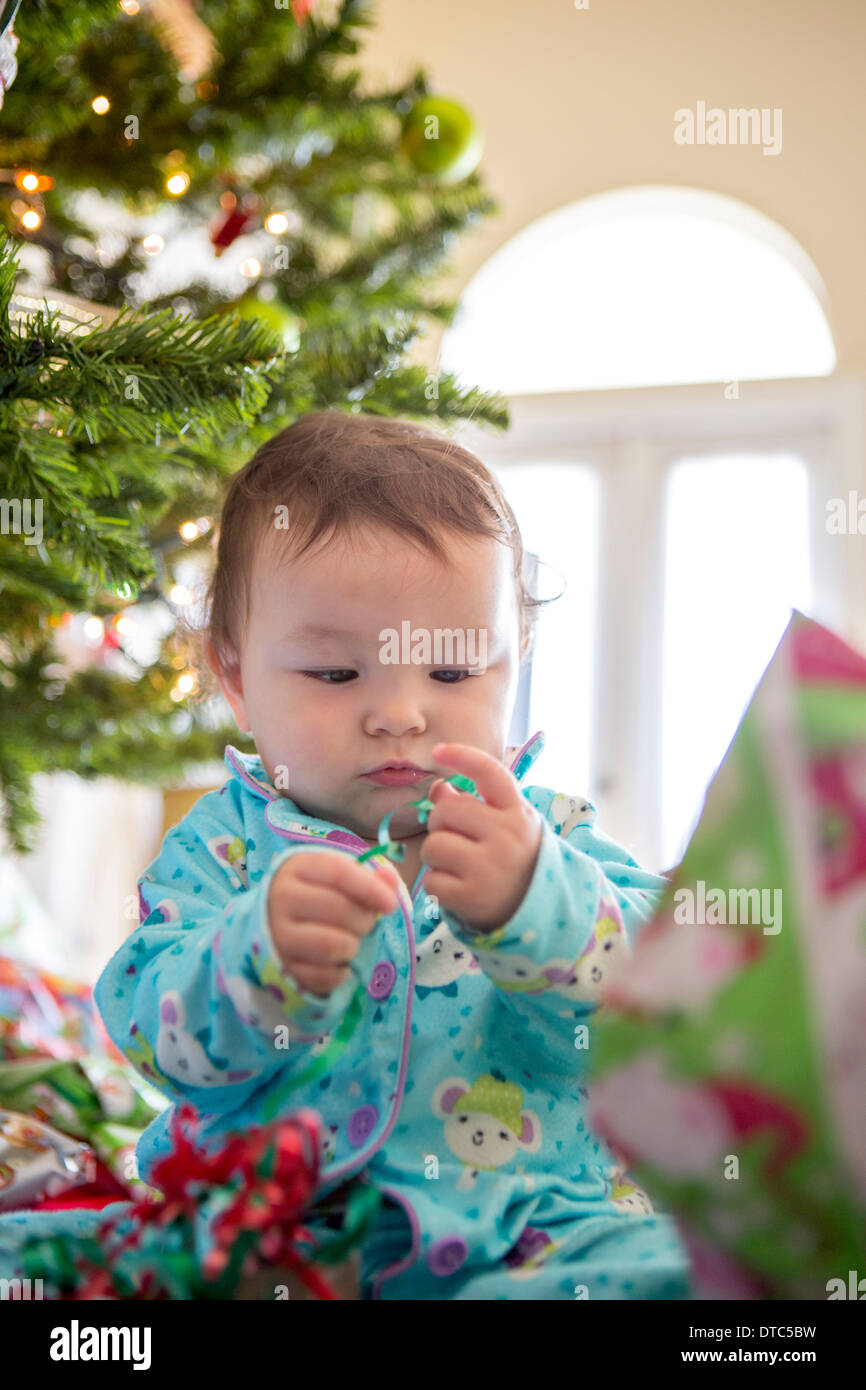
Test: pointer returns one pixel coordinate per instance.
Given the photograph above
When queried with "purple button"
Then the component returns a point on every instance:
(382, 980)
(530, 1243)
(446, 1255)
(361, 1124)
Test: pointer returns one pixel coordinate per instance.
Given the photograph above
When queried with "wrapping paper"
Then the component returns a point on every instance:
(50, 1013)
(59, 1068)
(729, 1065)
(36, 1160)
(91, 1099)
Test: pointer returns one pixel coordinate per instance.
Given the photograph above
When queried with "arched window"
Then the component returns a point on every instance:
(642, 287)
(686, 516)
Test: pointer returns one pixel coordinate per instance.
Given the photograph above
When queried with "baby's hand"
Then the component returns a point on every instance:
(482, 854)
(319, 906)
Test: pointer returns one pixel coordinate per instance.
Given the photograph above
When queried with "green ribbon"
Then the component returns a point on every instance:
(394, 849)
(362, 1206)
(352, 1017)
(335, 1048)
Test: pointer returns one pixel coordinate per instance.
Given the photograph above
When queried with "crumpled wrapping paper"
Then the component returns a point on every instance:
(37, 1161)
(58, 1067)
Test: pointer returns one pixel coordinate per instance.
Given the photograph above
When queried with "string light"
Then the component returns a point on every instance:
(177, 184)
(277, 223)
(153, 244)
(130, 6)
(251, 268)
(189, 530)
(94, 629)
(125, 626)
(100, 105)
(179, 594)
(185, 685)
(31, 220)
(31, 182)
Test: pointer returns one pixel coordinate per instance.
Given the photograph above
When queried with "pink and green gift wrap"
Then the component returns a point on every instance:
(729, 1062)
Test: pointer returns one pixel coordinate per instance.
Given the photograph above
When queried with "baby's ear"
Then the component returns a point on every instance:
(211, 657)
(226, 668)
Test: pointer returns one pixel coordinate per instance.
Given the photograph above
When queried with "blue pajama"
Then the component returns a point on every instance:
(594, 1256)
(449, 1070)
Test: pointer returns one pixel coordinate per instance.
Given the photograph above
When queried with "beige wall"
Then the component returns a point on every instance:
(574, 102)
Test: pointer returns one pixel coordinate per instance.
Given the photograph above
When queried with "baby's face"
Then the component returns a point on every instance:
(323, 706)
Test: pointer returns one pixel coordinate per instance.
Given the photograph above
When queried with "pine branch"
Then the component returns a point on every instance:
(95, 723)
(412, 390)
(408, 254)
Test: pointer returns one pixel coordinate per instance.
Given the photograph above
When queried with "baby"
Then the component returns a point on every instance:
(433, 1011)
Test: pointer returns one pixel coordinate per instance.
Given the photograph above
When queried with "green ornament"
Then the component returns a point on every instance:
(440, 137)
(275, 315)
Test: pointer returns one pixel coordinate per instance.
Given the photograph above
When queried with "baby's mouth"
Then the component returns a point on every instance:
(397, 775)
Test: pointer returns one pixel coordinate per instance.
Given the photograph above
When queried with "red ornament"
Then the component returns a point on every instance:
(232, 221)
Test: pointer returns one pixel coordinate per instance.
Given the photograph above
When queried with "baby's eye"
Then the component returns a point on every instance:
(449, 677)
(341, 676)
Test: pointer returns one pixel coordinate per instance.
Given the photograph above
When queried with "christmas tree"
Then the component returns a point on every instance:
(222, 228)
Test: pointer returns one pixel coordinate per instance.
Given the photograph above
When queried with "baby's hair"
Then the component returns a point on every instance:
(335, 471)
